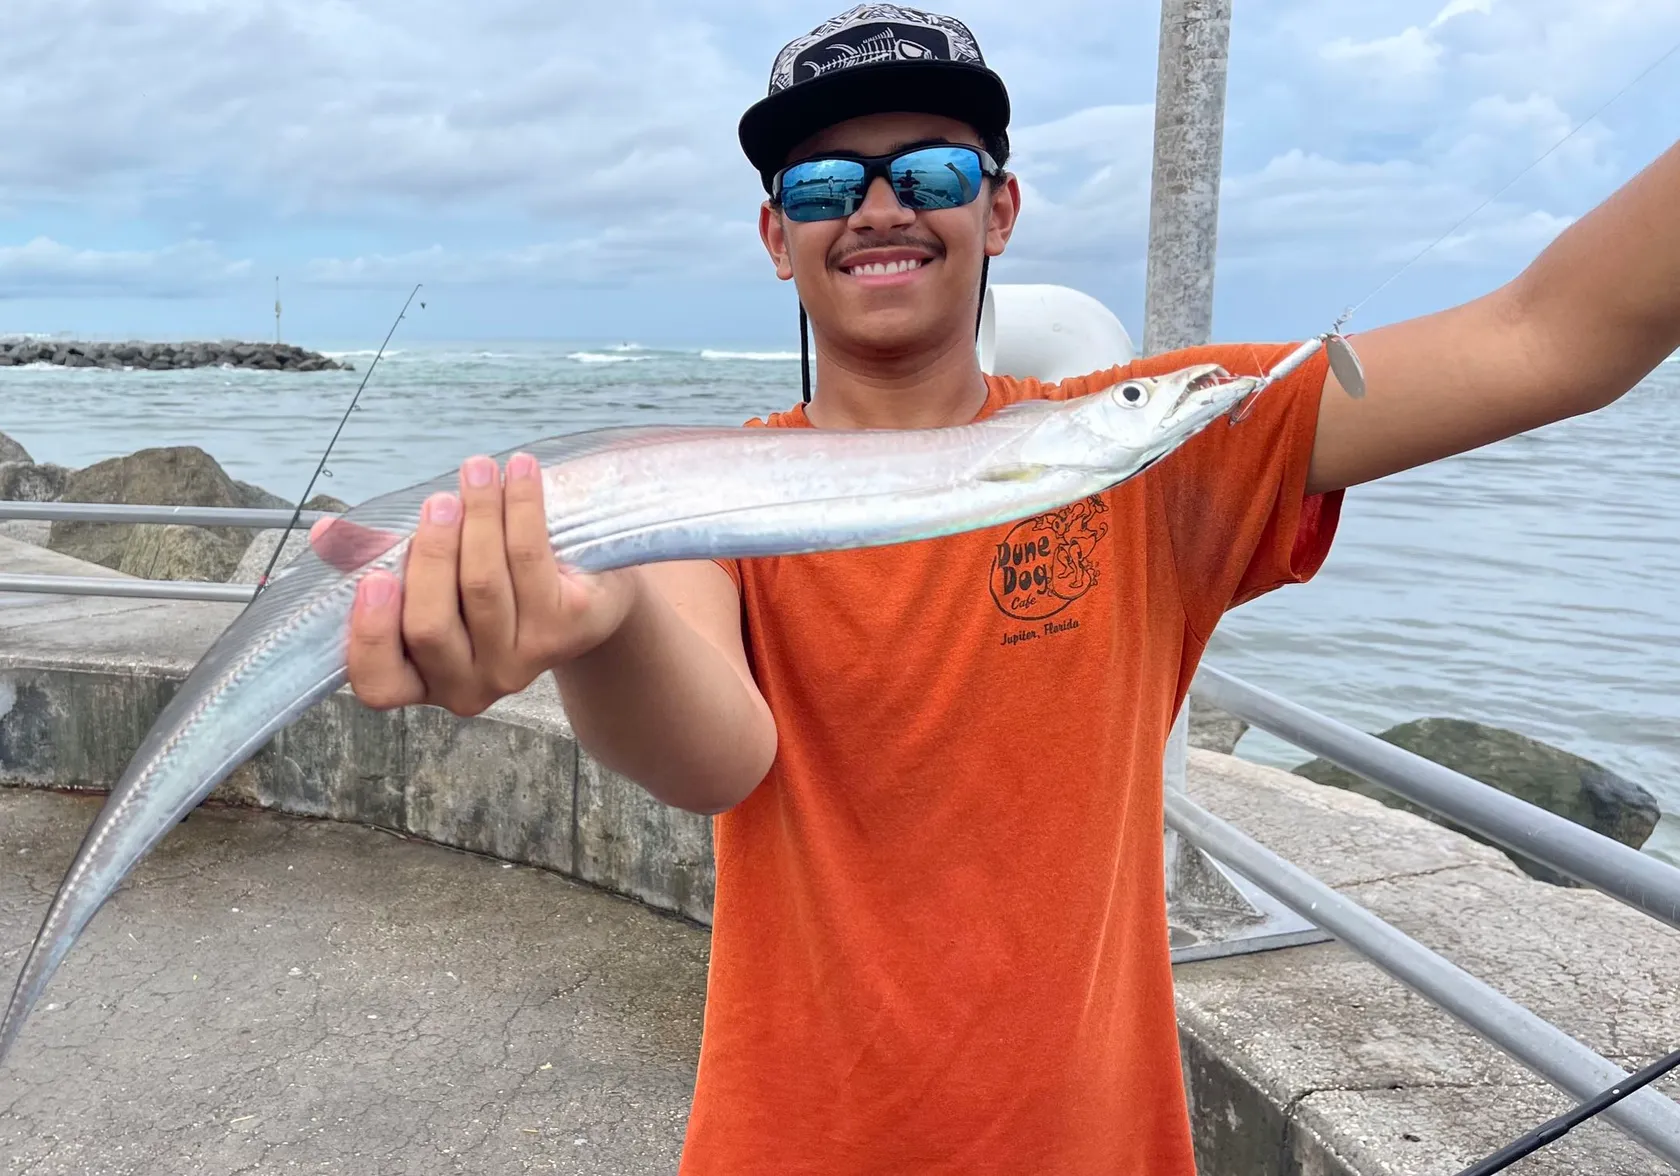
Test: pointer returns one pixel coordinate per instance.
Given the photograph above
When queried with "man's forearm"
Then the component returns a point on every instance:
(660, 704)
(1586, 321)
(1605, 295)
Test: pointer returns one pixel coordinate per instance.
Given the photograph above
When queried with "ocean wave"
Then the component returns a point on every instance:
(755, 356)
(369, 352)
(602, 357)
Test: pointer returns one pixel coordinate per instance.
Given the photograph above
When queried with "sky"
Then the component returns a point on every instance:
(566, 171)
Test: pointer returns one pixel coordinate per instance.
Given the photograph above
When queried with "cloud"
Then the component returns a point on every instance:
(531, 146)
(1406, 53)
(1084, 184)
(323, 107)
(1457, 8)
(707, 248)
(187, 269)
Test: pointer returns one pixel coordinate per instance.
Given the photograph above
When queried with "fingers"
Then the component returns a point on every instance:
(432, 626)
(379, 673)
(530, 556)
(480, 610)
(486, 590)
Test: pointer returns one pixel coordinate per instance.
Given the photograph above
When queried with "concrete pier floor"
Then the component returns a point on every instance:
(269, 994)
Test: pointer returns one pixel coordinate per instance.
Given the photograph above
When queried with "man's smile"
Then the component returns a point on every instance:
(884, 267)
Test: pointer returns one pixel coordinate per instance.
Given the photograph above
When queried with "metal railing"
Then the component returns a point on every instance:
(1646, 1115)
(191, 516)
(128, 586)
(1637, 879)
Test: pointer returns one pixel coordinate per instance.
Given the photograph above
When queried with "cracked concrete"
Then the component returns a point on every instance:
(270, 994)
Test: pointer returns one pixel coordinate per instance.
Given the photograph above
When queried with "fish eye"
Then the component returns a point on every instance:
(1132, 393)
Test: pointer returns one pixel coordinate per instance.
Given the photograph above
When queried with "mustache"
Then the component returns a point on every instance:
(896, 241)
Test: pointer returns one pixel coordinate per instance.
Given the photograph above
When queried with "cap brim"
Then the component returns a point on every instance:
(775, 125)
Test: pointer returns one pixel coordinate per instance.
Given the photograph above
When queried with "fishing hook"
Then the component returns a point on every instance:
(1343, 362)
(321, 467)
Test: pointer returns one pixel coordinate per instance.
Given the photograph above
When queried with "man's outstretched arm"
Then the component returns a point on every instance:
(1590, 318)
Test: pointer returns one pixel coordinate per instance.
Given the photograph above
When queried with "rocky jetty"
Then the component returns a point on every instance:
(1543, 775)
(174, 476)
(162, 357)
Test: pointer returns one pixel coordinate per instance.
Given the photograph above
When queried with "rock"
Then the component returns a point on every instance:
(31, 531)
(256, 557)
(180, 476)
(256, 498)
(11, 451)
(25, 481)
(1545, 776)
(178, 553)
(1212, 729)
(161, 357)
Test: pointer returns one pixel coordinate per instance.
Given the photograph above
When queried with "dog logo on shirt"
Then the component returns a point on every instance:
(1047, 562)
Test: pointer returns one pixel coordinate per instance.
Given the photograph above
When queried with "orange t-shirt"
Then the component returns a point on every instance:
(939, 937)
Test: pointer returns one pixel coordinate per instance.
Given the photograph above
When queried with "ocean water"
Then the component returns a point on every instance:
(1534, 584)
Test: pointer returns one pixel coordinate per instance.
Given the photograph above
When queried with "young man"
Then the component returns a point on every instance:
(940, 940)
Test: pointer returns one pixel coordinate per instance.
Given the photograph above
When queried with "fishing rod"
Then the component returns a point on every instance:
(262, 581)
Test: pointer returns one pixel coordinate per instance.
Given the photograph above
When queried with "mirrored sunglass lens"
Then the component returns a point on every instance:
(822, 189)
(937, 177)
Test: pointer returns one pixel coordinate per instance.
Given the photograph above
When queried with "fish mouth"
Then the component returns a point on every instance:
(1207, 396)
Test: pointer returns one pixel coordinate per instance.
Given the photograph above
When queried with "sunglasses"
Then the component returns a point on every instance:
(924, 178)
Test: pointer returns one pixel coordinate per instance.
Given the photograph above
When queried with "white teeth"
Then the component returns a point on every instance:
(887, 267)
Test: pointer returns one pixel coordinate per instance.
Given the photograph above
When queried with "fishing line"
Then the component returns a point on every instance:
(262, 581)
(1352, 310)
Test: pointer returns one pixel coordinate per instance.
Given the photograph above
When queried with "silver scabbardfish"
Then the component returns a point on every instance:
(615, 498)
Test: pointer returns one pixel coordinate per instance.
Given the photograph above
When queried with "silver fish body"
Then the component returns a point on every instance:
(616, 498)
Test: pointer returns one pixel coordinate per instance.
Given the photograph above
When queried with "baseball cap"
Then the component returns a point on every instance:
(873, 59)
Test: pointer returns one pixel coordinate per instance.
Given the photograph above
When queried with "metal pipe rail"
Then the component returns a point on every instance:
(125, 586)
(193, 516)
(1637, 879)
(1647, 1116)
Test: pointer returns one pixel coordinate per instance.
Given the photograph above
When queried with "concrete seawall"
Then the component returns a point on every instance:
(81, 680)
(1305, 1061)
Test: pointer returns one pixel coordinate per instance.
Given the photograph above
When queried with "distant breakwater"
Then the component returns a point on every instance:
(163, 357)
